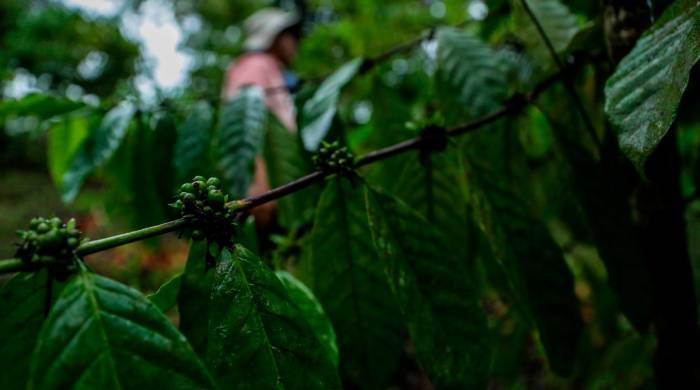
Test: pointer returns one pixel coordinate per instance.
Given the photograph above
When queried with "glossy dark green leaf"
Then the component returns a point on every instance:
(103, 334)
(310, 308)
(97, 148)
(38, 105)
(258, 338)
(193, 297)
(22, 312)
(642, 96)
(165, 298)
(319, 111)
(286, 161)
(193, 135)
(558, 22)
(348, 278)
(240, 133)
(531, 259)
(436, 295)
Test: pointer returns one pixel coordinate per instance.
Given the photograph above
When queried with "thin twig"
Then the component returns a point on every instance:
(127, 238)
(8, 266)
(279, 192)
(390, 53)
(568, 84)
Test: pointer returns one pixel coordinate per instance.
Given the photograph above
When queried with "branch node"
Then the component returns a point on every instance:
(50, 243)
(203, 205)
(433, 138)
(332, 158)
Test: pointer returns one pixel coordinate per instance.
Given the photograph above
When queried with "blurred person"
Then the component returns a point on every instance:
(272, 37)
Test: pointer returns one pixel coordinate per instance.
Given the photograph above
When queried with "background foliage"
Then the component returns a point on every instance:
(513, 259)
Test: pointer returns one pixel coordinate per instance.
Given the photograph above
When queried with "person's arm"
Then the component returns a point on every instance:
(252, 71)
(265, 213)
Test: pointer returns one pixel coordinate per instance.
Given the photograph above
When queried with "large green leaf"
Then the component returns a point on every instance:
(470, 78)
(163, 139)
(103, 334)
(557, 21)
(192, 142)
(348, 278)
(285, 161)
(193, 297)
(435, 186)
(165, 298)
(319, 111)
(63, 140)
(258, 339)
(38, 105)
(436, 295)
(97, 148)
(531, 259)
(310, 308)
(642, 96)
(240, 133)
(22, 313)
(149, 208)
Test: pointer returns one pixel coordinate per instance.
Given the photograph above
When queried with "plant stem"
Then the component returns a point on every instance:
(126, 238)
(279, 192)
(9, 266)
(588, 122)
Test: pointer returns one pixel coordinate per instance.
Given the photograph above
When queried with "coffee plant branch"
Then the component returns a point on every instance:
(390, 53)
(95, 246)
(401, 48)
(588, 122)
(513, 106)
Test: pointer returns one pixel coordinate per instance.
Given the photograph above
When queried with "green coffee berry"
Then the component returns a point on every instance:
(187, 187)
(197, 235)
(199, 185)
(187, 197)
(52, 240)
(73, 242)
(215, 198)
(213, 181)
(203, 204)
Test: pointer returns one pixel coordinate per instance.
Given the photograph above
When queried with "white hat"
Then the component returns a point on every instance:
(262, 27)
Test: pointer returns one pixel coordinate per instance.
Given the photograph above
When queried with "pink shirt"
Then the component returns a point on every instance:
(265, 71)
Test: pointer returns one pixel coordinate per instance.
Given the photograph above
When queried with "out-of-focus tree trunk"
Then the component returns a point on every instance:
(624, 21)
(661, 223)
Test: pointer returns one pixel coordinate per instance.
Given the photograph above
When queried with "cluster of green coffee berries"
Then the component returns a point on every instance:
(204, 204)
(331, 157)
(49, 238)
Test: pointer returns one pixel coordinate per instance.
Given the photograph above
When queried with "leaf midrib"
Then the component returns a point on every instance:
(92, 299)
(350, 261)
(237, 263)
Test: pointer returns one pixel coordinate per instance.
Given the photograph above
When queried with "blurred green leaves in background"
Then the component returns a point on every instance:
(510, 260)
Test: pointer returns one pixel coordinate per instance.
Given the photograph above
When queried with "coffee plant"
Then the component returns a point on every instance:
(445, 232)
